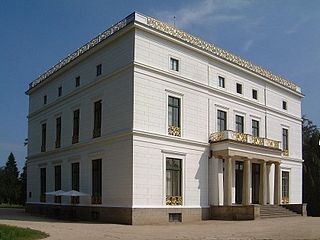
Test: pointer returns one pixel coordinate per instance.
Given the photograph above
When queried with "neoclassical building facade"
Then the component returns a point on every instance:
(154, 125)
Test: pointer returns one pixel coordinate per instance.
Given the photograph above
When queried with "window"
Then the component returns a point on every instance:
(96, 181)
(75, 176)
(221, 82)
(284, 105)
(239, 88)
(173, 181)
(239, 124)
(59, 91)
(43, 137)
(285, 187)
(174, 64)
(254, 94)
(255, 128)
(174, 108)
(99, 69)
(43, 184)
(222, 120)
(45, 99)
(285, 142)
(76, 126)
(58, 132)
(77, 81)
(57, 182)
(97, 119)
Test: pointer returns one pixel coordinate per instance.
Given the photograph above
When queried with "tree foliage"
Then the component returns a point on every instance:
(311, 167)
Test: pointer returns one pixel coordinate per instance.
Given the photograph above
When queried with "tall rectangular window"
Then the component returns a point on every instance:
(43, 184)
(173, 181)
(58, 132)
(254, 94)
(285, 142)
(96, 181)
(255, 128)
(57, 182)
(174, 111)
(97, 119)
(43, 137)
(239, 88)
(77, 81)
(239, 124)
(221, 82)
(60, 91)
(222, 120)
(99, 69)
(75, 178)
(45, 99)
(76, 126)
(174, 64)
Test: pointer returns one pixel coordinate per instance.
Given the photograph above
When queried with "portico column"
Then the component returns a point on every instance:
(246, 182)
(277, 193)
(263, 185)
(228, 181)
(268, 183)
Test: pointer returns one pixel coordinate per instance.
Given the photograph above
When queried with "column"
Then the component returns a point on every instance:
(268, 183)
(228, 181)
(246, 182)
(263, 183)
(277, 192)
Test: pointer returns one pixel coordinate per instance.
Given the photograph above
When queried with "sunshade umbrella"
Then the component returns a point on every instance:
(56, 193)
(74, 193)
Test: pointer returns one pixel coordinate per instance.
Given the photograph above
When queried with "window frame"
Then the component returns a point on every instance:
(219, 119)
(257, 127)
(241, 88)
(43, 137)
(285, 139)
(174, 67)
(43, 184)
(59, 91)
(45, 99)
(98, 69)
(97, 118)
(58, 132)
(236, 123)
(57, 182)
(222, 80)
(284, 105)
(96, 191)
(76, 126)
(255, 94)
(77, 81)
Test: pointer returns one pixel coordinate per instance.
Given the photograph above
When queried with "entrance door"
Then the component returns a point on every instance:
(239, 181)
(285, 187)
(255, 181)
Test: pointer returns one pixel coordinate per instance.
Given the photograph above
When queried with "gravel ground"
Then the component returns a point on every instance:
(279, 228)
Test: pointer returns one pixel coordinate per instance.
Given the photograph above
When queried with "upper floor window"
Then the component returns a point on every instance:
(285, 142)
(173, 181)
(60, 91)
(284, 105)
(255, 128)
(76, 126)
(45, 99)
(239, 124)
(221, 82)
(43, 137)
(57, 182)
(77, 81)
(174, 109)
(97, 119)
(239, 88)
(222, 120)
(254, 94)
(58, 132)
(99, 69)
(174, 64)
(96, 181)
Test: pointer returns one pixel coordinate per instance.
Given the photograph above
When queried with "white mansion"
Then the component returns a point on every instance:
(157, 125)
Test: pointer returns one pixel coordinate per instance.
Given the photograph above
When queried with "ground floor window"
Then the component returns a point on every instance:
(285, 187)
(43, 184)
(57, 182)
(75, 177)
(173, 181)
(96, 181)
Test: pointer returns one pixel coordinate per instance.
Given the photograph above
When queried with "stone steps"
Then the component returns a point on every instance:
(276, 211)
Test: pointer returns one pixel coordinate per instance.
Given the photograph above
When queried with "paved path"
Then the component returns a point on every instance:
(280, 228)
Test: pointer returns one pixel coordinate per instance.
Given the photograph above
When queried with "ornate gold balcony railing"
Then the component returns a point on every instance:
(243, 138)
(286, 152)
(173, 200)
(174, 131)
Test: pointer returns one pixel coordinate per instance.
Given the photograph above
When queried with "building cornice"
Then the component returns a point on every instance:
(172, 32)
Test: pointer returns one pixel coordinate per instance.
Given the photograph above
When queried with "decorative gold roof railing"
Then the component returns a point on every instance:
(243, 138)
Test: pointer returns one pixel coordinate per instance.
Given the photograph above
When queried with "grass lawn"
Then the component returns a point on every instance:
(6, 205)
(16, 233)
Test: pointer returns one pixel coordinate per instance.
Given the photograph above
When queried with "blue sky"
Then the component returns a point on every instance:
(282, 36)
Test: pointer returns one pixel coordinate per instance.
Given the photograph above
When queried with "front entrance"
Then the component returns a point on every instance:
(285, 187)
(255, 182)
(239, 181)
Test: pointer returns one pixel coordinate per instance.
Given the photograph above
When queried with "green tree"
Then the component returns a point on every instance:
(311, 167)
(23, 185)
(11, 183)
(2, 186)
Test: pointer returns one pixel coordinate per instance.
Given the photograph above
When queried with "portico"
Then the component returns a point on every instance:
(244, 169)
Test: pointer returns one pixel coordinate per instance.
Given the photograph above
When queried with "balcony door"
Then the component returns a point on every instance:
(239, 181)
(255, 182)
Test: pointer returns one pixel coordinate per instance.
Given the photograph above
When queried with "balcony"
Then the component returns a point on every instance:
(244, 138)
(174, 200)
